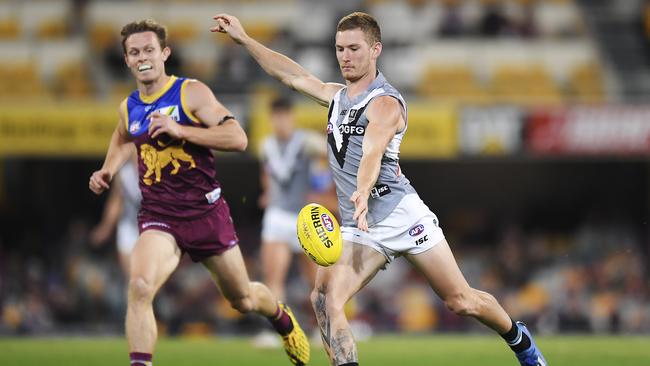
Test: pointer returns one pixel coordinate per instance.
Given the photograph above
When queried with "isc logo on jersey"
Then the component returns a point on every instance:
(319, 234)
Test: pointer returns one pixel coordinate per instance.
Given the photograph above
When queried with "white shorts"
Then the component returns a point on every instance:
(410, 229)
(127, 235)
(280, 226)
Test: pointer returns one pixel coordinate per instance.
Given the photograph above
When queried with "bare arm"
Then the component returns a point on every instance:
(220, 134)
(119, 150)
(385, 119)
(112, 210)
(276, 64)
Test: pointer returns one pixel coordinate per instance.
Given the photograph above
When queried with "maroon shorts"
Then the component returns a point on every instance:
(201, 237)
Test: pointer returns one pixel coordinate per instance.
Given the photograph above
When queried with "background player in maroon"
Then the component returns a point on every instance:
(174, 122)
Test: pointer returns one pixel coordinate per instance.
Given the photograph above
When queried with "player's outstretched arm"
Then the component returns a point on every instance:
(223, 131)
(119, 150)
(276, 64)
(385, 119)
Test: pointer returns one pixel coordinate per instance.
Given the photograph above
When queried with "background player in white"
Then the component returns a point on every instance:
(121, 213)
(286, 157)
(382, 215)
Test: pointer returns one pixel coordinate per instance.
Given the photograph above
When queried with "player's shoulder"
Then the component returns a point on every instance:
(195, 86)
(386, 97)
(195, 93)
(335, 89)
(266, 142)
(384, 102)
(123, 108)
(386, 110)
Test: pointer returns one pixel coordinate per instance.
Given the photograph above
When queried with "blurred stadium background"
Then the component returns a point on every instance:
(529, 135)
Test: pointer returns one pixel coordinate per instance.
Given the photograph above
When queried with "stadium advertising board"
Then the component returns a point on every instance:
(619, 130)
(56, 130)
(493, 130)
(432, 132)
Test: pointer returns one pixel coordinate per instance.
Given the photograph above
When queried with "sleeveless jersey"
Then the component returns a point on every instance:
(177, 178)
(346, 127)
(288, 166)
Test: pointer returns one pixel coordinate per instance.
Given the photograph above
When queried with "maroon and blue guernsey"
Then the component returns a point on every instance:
(177, 178)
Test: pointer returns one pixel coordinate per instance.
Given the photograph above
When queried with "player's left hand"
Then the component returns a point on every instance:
(230, 25)
(361, 209)
(162, 123)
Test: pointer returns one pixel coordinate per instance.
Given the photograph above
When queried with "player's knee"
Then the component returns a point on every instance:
(462, 303)
(326, 301)
(243, 305)
(315, 297)
(140, 289)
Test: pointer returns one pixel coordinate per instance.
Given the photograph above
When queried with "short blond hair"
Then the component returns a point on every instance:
(363, 21)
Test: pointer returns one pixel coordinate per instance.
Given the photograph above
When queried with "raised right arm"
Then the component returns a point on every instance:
(276, 64)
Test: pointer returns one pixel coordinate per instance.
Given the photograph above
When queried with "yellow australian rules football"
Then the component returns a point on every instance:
(319, 234)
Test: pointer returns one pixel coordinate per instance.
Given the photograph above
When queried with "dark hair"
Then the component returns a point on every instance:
(363, 21)
(281, 104)
(146, 25)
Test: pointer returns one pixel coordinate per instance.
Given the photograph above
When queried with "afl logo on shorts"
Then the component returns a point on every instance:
(327, 222)
(330, 127)
(416, 230)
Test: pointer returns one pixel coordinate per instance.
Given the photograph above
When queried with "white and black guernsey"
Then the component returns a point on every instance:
(346, 128)
(288, 166)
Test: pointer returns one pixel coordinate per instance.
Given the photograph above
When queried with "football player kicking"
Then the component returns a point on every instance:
(382, 215)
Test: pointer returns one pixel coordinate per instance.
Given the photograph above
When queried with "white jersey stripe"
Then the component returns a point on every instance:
(338, 138)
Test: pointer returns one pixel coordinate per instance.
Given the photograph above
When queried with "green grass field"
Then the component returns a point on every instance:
(385, 350)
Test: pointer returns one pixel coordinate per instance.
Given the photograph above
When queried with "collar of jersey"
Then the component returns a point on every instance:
(153, 97)
(379, 80)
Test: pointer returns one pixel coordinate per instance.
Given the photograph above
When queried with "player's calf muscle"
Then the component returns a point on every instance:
(320, 309)
(340, 345)
(343, 348)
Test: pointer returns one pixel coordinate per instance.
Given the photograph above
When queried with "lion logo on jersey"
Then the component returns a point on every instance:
(156, 160)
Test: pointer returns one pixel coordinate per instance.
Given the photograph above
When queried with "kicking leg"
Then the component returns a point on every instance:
(229, 273)
(335, 285)
(154, 258)
(441, 271)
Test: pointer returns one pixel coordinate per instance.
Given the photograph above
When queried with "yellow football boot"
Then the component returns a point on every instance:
(296, 344)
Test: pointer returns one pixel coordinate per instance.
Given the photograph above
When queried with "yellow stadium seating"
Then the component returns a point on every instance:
(585, 84)
(524, 84)
(451, 83)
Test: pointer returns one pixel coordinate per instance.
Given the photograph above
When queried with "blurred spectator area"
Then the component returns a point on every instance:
(562, 248)
(468, 51)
